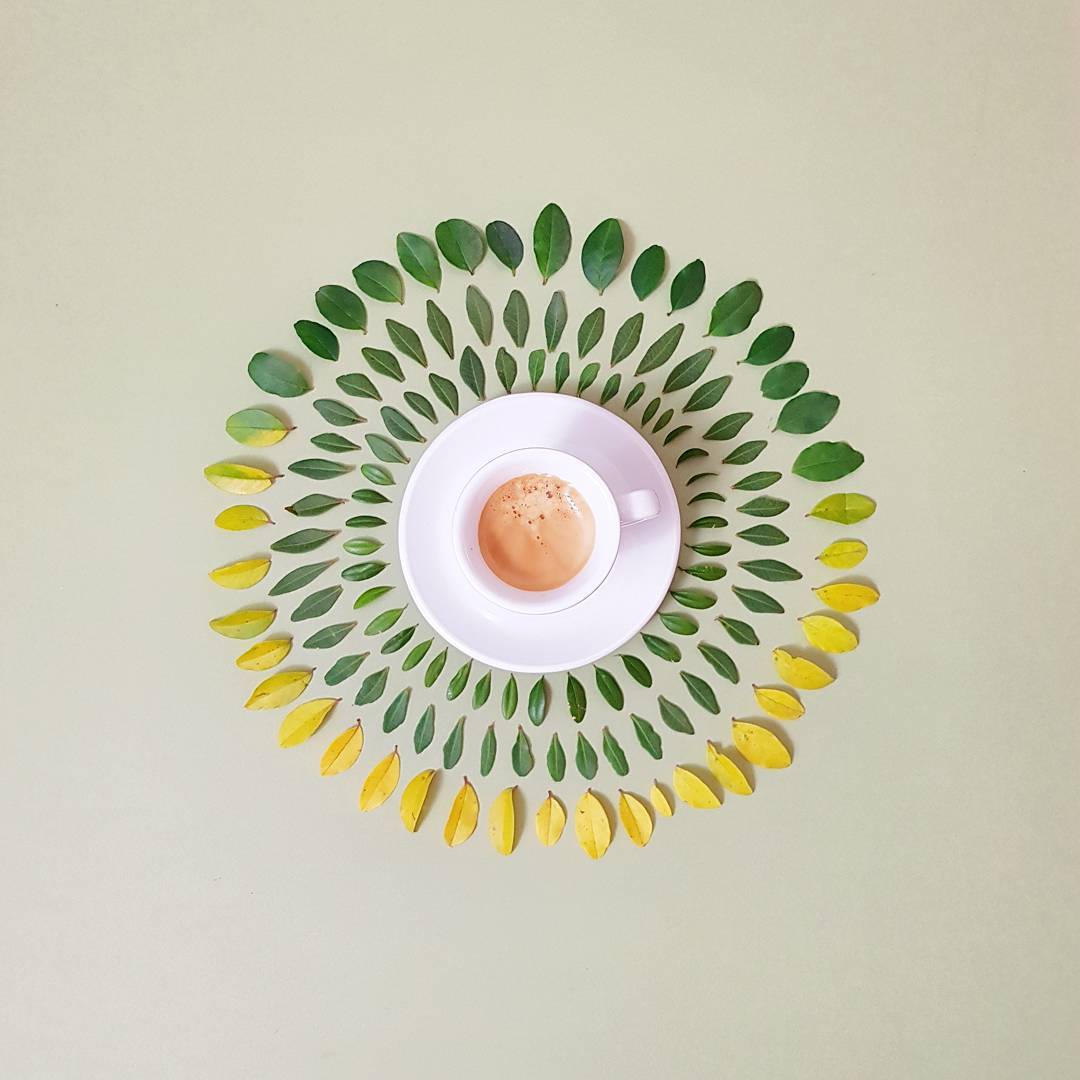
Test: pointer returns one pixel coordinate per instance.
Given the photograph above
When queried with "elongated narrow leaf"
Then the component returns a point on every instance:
(472, 371)
(363, 571)
(708, 521)
(445, 391)
(342, 307)
(757, 481)
(337, 413)
(587, 377)
(556, 759)
(440, 329)
(727, 427)
(305, 540)
(509, 698)
(745, 452)
(771, 570)
(505, 244)
(383, 621)
(380, 281)
(585, 757)
(562, 370)
(602, 254)
(678, 624)
(611, 388)
(705, 571)
(420, 404)
(480, 314)
(555, 320)
(455, 743)
(739, 631)
(506, 369)
(648, 271)
(461, 243)
(459, 681)
(636, 391)
(334, 443)
(344, 667)
(614, 753)
(575, 698)
(276, 376)
(648, 736)
(521, 755)
(406, 340)
(708, 394)
(419, 259)
(435, 669)
(764, 506)
(489, 747)
(590, 332)
(675, 432)
(658, 646)
(636, 669)
(700, 691)
(397, 642)
(770, 345)
(687, 285)
(386, 449)
(661, 350)
(757, 601)
(358, 385)
(396, 712)
(675, 717)
(537, 362)
(425, 730)
(551, 240)
(538, 702)
(318, 468)
(383, 362)
(735, 310)
(369, 596)
(650, 411)
(609, 688)
(711, 549)
(317, 603)
(687, 372)
(696, 599)
(369, 495)
(319, 339)
(719, 661)
(298, 578)
(627, 337)
(399, 425)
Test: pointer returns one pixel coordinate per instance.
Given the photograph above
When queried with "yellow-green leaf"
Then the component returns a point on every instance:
(461, 822)
(256, 427)
(240, 575)
(636, 819)
(828, 634)
(550, 821)
(239, 518)
(759, 745)
(243, 624)
(343, 752)
(278, 690)
(381, 781)
(846, 508)
(501, 821)
(844, 554)
(265, 654)
(661, 803)
(779, 704)
(847, 596)
(414, 797)
(800, 673)
(303, 721)
(238, 479)
(730, 776)
(592, 826)
(693, 790)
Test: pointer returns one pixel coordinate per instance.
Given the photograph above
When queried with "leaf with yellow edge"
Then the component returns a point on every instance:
(239, 518)
(244, 624)
(802, 674)
(381, 781)
(464, 811)
(779, 704)
(501, 821)
(238, 479)
(279, 690)
(550, 821)
(414, 797)
(265, 654)
(844, 554)
(731, 777)
(303, 721)
(342, 753)
(592, 826)
(635, 818)
(827, 634)
(759, 745)
(846, 508)
(693, 790)
(846, 596)
(661, 803)
(240, 575)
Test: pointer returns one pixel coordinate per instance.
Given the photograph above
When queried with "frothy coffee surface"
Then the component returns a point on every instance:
(535, 532)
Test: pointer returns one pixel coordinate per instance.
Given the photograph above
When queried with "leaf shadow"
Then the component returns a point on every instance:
(432, 795)
(255, 462)
(630, 246)
(706, 778)
(609, 809)
(745, 766)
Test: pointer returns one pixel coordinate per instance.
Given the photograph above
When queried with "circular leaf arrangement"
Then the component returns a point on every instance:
(400, 353)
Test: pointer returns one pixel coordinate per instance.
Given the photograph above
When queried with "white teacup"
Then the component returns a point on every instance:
(611, 513)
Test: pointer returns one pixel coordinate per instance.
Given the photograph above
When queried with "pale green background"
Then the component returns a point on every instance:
(182, 899)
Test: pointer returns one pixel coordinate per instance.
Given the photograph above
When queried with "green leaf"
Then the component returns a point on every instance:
(689, 455)
(707, 496)
(562, 370)
(827, 461)
(515, 318)
(420, 404)
(365, 521)
(399, 425)
(687, 286)
(434, 669)
(425, 730)
(735, 310)
(445, 391)
(678, 623)
(319, 339)
(509, 698)
(648, 736)
(488, 749)
(419, 259)
(556, 759)
(585, 757)
(480, 314)
(740, 632)
(658, 646)
(383, 362)
(505, 244)
(709, 521)
(611, 388)
(770, 345)
(358, 385)
(440, 329)
(845, 508)
(551, 240)
(363, 571)
(764, 506)
(521, 755)
(344, 667)
(472, 371)
(727, 427)
(337, 412)
(416, 654)
(386, 450)
(807, 413)
(708, 394)
(675, 432)
(506, 369)
(663, 420)
(746, 452)
(661, 350)
(650, 411)
(705, 571)
(371, 689)
(369, 596)
(675, 717)
(459, 681)
(317, 603)
(318, 468)
(461, 243)
(587, 377)
(334, 443)
(249, 426)
(311, 505)
(383, 621)
(406, 340)
(757, 601)
(455, 743)
(696, 599)
(648, 271)
(720, 662)
(609, 688)
(757, 481)
(398, 641)
(555, 320)
(538, 702)
(636, 669)
(627, 337)
(396, 712)
(575, 698)
(602, 254)
(634, 396)
(614, 753)
(700, 476)
(701, 692)
(369, 495)
(766, 535)
(784, 380)
(537, 362)
(275, 376)
(687, 372)
(305, 540)
(590, 332)
(380, 281)
(482, 690)
(342, 307)
(711, 549)
(298, 578)
(771, 570)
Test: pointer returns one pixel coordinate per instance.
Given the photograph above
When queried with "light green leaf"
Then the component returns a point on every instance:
(275, 376)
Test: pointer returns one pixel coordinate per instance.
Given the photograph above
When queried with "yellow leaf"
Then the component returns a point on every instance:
(550, 821)
(592, 826)
(693, 790)
(661, 803)
(303, 721)
(844, 554)
(827, 634)
(635, 818)
(240, 575)
(802, 674)
(239, 518)
(461, 823)
(381, 781)
(238, 479)
(413, 798)
(778, 704)
(265, 654)
(759, 745)
(244, 624)
(847, 596)
(501, 821)
(278, 690)
(342, 753)
(725, 770)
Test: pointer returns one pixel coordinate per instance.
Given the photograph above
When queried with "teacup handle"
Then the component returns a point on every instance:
(637, 506)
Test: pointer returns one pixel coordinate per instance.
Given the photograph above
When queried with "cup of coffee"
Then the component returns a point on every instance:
(538, 530)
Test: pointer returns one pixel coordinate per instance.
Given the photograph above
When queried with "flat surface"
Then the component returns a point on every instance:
(183, 899)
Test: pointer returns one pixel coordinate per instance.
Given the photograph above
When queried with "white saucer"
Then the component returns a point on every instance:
(603, 621)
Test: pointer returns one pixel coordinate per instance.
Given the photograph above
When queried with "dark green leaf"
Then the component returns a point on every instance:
(385, 449)
(735, 310)
(420, 404)
(701, 692)
(696, 599)
(369, 495)
(807, 413)
(700, 476)
(675, 432)
(585, 757)
(658, 646)
(416, 654)
(746, 452)
(418, 259)
(311, 505)
(425, 730)
(459, 681)
(609, 688)
(371, 689)
(383, 621)
(634, 396)
(648, 271)
(406, 340)
(648, 736)
(337, 412)
(764, 506)
(380, 281)
(440, 329)
(675, 717)
(305, 540)
(727, 427)
(434, 669)
(770, 345)
(740, 632)
(344, 667)
(663, 420)
(399, 425)
(688, 285)
(396, 712)
(556, 759)
(611, 388)
(587, 377)
(590, 332)
(711, 549)
(757, 601)
(562, 370)
(369, 596)
(767, 535)
(555, 320)
(482, 690)
(480, 314)
(455, 743)
(318, 468)
(678, 623)
(707, 496)
(614, 753)
(521, 755)
(398, 641)
(505, 244)
(661, 350)
(784, 380)
(321, 340)
(365, 521)
(708, 394)
(445, 391)
(575, 698)
(461, 243)
(472, 371)
(636, 669)
(537, 363)
(317, 603)
(720, 662)
(650, 411)
(757, 481)
(275, 376)
(298, 578)
(342, 307)
(627, 338)
(506, 369)
(538, 701)
(709, 521)
(509, 698)
(383, 362)
(602, 254)
(771, 570)
(687, 372)
(488, 749)
(705, 571)
(334, 443)
(363, 571)
(358, 385)
(551, 240)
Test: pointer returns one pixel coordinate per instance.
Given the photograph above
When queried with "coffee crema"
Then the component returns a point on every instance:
(535, 532)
